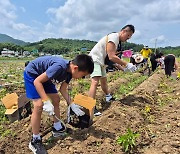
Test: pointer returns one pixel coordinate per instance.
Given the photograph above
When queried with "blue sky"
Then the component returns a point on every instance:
(34, 20)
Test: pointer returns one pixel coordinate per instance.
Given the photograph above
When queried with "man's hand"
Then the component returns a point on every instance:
(48, 107)
(130, 67)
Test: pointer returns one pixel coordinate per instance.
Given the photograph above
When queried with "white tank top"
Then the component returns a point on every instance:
(98, 52)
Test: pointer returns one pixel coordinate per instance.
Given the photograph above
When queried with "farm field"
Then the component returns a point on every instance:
(148, 106)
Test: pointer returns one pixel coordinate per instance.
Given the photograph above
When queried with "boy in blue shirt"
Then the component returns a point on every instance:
(40, 76)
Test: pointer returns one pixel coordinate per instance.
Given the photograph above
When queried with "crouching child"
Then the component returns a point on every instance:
(40, 76)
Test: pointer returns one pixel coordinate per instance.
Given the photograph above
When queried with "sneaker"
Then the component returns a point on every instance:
(61, 132)
(37, 147)
(96, 112)
(110, 70)
(109, 98)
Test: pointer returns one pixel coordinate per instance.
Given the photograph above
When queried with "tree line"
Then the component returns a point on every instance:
(69, 46)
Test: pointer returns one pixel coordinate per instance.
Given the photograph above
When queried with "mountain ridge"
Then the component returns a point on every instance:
(8, 39)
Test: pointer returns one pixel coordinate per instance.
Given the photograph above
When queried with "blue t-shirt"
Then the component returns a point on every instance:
(55, 68)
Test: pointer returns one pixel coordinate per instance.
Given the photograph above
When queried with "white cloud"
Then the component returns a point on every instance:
(92, 19)
(84, 18)
(137, 35)
(9, 25)
(159, 39)
(20, 26)
(49, 27)
(7, 11)
(163, 10)
(80, 18)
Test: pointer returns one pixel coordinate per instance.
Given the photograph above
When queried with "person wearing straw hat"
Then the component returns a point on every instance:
(136, 59)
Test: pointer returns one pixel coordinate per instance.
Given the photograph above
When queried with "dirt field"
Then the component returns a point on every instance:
(159, 127)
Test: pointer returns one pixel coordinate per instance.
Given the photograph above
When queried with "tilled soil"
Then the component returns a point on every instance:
(159, 128)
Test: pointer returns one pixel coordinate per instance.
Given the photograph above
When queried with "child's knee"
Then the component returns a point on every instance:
(95, 83)
(38, 107)
(56, 101)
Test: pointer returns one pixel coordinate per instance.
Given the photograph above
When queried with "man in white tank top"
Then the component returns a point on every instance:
(107, 46)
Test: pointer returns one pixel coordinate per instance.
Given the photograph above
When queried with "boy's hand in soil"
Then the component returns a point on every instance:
(76, 109)
(130, 67)
(48, 107)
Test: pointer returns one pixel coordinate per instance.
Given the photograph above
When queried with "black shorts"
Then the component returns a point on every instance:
(169, 62)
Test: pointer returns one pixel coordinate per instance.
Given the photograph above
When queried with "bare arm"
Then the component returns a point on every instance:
(150, 52)
(111, 51)
(176, 65)
(63, 90)
(119, 67)
(141, 51)
(39, 87)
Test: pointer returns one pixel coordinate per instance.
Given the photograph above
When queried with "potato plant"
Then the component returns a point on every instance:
(128, 140)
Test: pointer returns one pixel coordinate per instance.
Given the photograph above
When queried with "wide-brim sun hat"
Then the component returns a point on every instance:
(138, 58)
(146, 47)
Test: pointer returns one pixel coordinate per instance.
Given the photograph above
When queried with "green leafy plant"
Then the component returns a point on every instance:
(164, 100)
(50, 140)
(164, 87)
(6, 132)
(128, 141)
(84, 85)
(3, 118)
(125, 88)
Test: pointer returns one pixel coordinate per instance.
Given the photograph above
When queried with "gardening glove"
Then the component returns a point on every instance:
(130, 67)
(76, 109)
(48, 107)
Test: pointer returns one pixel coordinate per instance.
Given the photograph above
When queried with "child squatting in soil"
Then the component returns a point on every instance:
(40, 77)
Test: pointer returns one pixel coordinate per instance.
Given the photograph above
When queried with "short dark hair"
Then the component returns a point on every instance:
(131, 28)
(26, 63)
(159, 54)
(84, 63)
